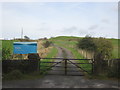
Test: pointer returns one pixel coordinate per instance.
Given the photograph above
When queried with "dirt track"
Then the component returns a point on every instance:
(61, 81)
(59, 68)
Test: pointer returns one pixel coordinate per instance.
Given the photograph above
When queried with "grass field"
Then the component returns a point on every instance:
(70, 43)
(115, 47)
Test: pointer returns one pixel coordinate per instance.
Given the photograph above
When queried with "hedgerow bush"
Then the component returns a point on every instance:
(6, 53)
(47, 44)
(102, 49)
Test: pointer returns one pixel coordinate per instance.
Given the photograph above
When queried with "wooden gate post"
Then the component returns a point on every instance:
(39, 60)
(65, 66)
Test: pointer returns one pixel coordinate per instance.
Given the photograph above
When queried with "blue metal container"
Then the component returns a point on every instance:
(24, 47)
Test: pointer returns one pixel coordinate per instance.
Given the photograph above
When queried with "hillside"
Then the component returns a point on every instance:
(70, 42)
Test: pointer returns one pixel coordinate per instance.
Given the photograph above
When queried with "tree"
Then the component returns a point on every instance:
(6, 54)
(45, 38)
(87, 44)
(102, 49)
(100, 46)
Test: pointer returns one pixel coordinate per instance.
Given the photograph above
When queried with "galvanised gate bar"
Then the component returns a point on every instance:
(63, 66)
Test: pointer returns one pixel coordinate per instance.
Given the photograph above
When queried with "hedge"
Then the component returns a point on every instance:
(25, 66)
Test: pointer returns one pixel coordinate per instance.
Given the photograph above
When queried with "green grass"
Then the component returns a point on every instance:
(115, 47)
(8, 44)
(53, 52)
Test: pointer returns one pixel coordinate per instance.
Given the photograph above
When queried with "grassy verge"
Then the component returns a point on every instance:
(51, 54)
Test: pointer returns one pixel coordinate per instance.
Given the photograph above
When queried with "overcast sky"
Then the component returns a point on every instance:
(38, 20)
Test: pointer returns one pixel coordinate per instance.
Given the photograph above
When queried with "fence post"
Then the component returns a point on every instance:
(39, 65)
(65, 66)
(92, 66)
(38, 60)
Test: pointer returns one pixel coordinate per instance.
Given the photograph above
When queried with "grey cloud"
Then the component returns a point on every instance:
(43, 27)
(75, 30)
(86, 32)
(70, 30)
(43, 23)
(83, 32)
(116, 7)
(105, 21)
(92, 33)
(93, 27)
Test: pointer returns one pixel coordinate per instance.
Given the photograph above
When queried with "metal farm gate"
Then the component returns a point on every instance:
(62, 66)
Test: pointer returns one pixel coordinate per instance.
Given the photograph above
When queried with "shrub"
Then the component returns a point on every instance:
(47, 44)
(6, 54)
(87, 43)
(102, 49)
(101, 46)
